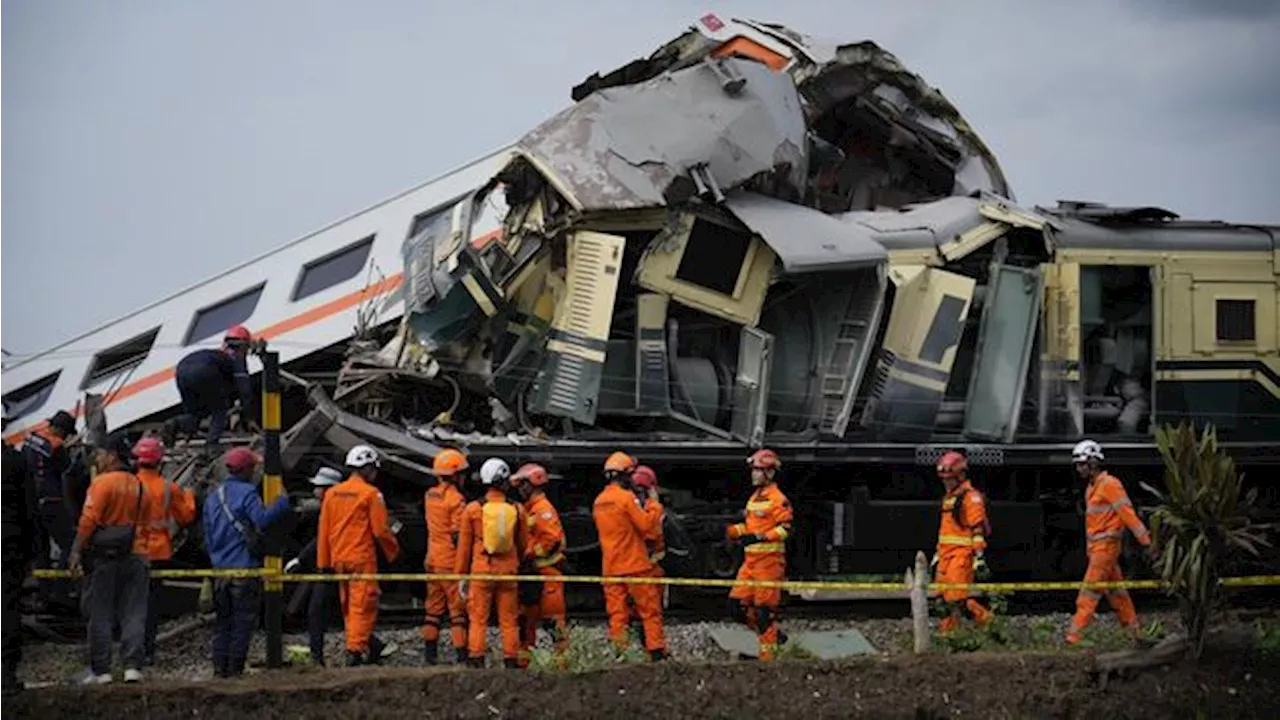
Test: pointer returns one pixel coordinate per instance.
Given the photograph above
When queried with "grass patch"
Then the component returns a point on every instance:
(587, 652)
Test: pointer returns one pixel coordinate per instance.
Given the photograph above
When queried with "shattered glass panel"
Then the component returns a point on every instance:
(1005, 342)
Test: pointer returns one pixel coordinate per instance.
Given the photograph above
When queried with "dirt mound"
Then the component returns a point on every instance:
(1009, 685)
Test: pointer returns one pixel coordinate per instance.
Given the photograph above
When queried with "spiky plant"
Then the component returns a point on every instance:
(1202, 518)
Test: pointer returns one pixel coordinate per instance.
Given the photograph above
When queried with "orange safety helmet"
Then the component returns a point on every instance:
(620, 462)
(535, 474)
(448, 462)
(764, 459)
(952, 465)
(149, 451)
(645, 477)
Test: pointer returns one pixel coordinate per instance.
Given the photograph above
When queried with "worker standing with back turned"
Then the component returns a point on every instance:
(444, 505)
(763, 536)
(354, 524)
(962, 541)
(624, 529)
(1108, 511)
(492, 540)
(171, 508)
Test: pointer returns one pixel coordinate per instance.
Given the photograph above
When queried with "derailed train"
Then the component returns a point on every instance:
(752, 238)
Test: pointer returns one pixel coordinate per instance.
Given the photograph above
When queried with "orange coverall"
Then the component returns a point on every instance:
(162, 519)
(484, 593)
(1108, 512)
(657, 551)
(768, 515)
(444, 506)
(624, 528)
(961, 535)
(353, 525)
(546, 553)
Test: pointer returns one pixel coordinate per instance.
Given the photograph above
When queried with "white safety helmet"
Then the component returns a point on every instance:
(1086, 450)
(326, 477)
(362, 455)
(494, 470)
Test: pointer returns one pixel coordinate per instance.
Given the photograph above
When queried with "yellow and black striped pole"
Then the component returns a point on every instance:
(272, 487)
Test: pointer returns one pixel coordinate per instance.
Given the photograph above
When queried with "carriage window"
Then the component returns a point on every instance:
(115, 360)
(217, 318)
(335, 268)
(30, 398)
(1236, 321)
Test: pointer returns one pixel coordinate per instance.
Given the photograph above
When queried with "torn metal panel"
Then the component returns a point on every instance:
(804, 239)
(953, 226)
(917, 353)
(569, 382)
(635, 146)
(1006, 337)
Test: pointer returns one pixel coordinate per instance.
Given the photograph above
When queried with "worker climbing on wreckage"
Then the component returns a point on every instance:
(763, 536)
(444, 505)
(645, 481)
(541, 603)
(624, 528)
(354, 526)
(1108, 511)
(207, 379)
(493, 538)
(962, 542)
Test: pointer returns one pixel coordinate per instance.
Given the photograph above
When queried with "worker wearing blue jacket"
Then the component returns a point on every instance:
(235, 521)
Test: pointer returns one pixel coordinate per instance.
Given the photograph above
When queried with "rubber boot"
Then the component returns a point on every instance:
(475, 662)
(431, 653)
(354, 659)
(511, 663)
(460, 655)
(657, 655)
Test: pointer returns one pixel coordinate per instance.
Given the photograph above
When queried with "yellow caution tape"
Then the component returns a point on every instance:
(1246, 581)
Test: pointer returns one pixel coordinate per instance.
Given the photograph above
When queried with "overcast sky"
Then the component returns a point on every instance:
(148, 145)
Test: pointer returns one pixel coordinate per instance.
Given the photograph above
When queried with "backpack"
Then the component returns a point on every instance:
(498, 523)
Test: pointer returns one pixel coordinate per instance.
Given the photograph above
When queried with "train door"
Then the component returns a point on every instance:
(1006, 337)
(1099, 349)
(929, 311)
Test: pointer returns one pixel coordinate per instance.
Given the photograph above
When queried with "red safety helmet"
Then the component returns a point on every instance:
(952, 465)
(237, 334)
(149, 451)
(533, 473)
(764, 459)
(620, 462)
(241, 460)
(448, 462)
(645, 477)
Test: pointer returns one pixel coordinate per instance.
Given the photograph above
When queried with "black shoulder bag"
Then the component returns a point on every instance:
(116, 541)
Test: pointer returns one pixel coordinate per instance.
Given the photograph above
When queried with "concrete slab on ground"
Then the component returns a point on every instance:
(825, 644)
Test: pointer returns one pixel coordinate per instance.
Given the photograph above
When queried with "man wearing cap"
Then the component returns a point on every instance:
(234, 521)
(318, 594)
(171, 508)
(44, 455)
(119, 578)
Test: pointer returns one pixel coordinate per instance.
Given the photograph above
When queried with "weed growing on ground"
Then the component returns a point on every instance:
(586, 653)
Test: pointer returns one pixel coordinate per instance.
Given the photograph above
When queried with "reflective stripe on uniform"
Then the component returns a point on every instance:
(955, 540)
(1105, 535)
(548, 561)
(766, 547)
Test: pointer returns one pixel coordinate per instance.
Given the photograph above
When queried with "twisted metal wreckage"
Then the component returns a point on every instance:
(696, 248)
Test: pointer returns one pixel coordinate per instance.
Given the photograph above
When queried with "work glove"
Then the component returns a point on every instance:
(292, 565)
(747, 540)
(933, 564)
(980, 570)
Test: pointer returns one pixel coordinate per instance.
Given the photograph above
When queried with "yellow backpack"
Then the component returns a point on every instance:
(498, 521)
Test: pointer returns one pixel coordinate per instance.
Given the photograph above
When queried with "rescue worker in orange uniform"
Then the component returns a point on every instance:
(1108, 511)
(962, 541)
(354, 525)
(545, 556)
(171, 507)
(444, 505)
(624, 527)
(645, 480)
(763, 536)
(493, 538)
